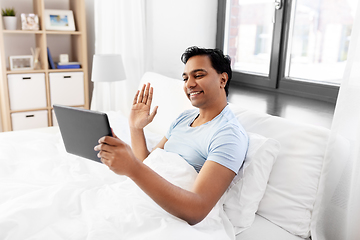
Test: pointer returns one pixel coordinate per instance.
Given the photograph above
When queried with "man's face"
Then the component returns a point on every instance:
(202, 84)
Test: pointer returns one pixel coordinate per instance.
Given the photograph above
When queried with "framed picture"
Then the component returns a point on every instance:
(62, 20)
(29, 21)
(25, 62)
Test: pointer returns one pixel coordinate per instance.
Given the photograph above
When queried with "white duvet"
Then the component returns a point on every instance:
(46, 193)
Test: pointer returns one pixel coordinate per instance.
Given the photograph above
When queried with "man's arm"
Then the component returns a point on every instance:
(138, 144)
(192, 206)
(140, 117)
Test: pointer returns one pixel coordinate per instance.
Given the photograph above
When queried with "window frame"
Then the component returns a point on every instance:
(276, 82)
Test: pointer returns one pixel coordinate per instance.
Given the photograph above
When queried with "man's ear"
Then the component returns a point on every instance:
(224, 79)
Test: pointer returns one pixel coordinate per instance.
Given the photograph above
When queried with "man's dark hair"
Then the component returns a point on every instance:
(220, 62)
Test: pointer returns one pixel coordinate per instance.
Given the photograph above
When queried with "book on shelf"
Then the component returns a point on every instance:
(68, 65)
(51, 62)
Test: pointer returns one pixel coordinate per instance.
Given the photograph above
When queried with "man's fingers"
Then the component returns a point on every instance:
(146, 94)
(111, 141)
(141, 96)
(102, 147)
(105, 157)
(136, 97)
(149, 99)
(152, 115)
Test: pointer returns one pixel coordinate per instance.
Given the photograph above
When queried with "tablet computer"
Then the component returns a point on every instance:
(81, 130)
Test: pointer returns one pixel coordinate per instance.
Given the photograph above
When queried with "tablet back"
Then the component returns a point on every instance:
(81, 129)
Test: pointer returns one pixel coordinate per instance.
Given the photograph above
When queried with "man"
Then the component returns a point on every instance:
(209, 138)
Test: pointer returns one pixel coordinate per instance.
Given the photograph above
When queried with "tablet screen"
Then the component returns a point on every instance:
(81, 129)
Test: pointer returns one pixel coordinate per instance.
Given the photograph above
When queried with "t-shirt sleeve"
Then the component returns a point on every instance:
(174, 123)
(168, 133)
(228, 147)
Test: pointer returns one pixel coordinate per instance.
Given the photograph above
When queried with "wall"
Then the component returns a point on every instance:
(175, 25)
(171, 27)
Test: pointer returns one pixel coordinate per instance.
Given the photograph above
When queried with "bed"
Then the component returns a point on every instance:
(47, 193)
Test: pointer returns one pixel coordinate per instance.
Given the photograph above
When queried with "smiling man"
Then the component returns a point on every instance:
(209, 138)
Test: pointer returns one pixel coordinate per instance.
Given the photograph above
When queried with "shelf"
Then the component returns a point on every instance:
(30, 110)
(24, 71)
(19, 42)
(41, 109)
(41, 32)
(64, 32)
(44, 71)
(65, 70)
(22, 32)
(75, 106)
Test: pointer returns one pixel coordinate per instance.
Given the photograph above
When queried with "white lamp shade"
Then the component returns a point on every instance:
(107, 68)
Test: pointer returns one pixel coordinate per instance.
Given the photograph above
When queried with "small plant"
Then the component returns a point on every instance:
(8, 12)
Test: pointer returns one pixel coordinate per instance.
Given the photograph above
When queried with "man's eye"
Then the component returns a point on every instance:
(185, 79)
(199, 76)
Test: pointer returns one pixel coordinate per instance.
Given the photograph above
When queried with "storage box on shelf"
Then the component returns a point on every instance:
(27, 91)
(67, 88)
(27, 96)
(27, 120)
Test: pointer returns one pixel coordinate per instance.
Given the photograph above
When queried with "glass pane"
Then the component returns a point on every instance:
(248, 35)
(319, 40)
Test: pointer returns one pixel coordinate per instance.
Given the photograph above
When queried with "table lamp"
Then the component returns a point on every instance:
(107, 68)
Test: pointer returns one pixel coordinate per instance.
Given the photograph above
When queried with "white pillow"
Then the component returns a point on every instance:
(244, 194)
(293, 184)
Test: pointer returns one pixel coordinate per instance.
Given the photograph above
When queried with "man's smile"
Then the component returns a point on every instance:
(195, 93)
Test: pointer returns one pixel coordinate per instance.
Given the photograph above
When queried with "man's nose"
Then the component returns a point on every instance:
(190, 83)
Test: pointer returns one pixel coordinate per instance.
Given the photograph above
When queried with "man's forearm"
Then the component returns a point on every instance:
(179, 202)
(138, 143)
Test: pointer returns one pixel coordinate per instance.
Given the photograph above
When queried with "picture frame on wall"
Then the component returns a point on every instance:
(60, 20)
(25, 62)
(29, 21)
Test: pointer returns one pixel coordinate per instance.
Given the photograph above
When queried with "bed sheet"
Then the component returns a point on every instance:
(47, 193)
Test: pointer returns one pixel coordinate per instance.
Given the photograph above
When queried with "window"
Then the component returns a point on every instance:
(249, 36)
(294, 46)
